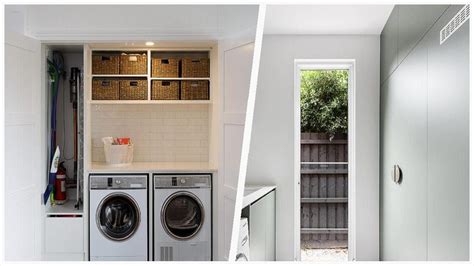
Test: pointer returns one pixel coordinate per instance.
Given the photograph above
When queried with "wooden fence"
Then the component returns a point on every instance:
(324, 190)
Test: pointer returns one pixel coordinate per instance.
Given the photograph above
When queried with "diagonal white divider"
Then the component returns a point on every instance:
(247, 130)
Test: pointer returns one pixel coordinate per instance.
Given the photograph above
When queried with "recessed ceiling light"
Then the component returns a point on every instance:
(149, 43)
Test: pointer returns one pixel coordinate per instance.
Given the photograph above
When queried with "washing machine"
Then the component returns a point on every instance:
(118, 217)
(182, 217)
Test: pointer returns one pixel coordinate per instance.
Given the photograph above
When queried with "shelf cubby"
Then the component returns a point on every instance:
(151, 54)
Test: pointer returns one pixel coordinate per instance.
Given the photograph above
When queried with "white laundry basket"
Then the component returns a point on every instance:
(118, 155)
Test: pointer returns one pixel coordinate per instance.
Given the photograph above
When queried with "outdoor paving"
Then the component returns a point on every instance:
(333, 254)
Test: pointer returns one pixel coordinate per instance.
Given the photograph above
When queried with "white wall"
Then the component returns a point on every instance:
(132, 22)
(15, 19)
(24, 158)
(65, 125)
(271, 159)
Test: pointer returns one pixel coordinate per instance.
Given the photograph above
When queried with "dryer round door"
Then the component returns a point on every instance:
(182, 215)
(118, 216)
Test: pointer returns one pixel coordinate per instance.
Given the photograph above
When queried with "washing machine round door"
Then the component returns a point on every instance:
(118, 216)
(182, 215)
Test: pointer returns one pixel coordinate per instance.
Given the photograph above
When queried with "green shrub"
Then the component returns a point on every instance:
(324, 101)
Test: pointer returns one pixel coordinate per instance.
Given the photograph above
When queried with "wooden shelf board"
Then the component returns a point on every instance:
(119, 76)
(180, 79)
(166, 102)
(164, 48)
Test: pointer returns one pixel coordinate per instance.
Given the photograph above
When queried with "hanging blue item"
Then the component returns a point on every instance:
(55, 71)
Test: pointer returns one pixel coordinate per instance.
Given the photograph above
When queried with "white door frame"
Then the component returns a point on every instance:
(326, 64)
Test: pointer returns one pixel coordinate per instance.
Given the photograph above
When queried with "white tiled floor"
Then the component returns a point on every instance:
(333, 255)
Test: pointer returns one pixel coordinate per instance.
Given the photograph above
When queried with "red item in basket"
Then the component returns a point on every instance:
(123, 141)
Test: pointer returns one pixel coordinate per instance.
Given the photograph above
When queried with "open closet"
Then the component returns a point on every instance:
(65, 116)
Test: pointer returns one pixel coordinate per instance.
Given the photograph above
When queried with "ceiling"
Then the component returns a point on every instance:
(326, 19)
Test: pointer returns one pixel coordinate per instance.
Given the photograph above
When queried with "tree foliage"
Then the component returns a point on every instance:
(324, 101)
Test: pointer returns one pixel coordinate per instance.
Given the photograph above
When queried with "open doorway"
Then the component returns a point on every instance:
(322, 122)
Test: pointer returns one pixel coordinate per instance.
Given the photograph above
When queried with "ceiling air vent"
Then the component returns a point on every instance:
(454, 24)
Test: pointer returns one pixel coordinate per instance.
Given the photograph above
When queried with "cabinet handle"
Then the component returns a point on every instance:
(396, 174)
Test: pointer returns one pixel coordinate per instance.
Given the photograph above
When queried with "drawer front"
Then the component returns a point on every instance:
(64, 257)
(64, 235)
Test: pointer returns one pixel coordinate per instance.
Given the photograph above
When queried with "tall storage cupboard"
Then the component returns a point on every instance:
(425, 130)
(403, 131)
(448, 142)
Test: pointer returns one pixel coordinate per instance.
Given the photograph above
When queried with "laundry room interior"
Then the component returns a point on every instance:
(131, 136)
(288, 132)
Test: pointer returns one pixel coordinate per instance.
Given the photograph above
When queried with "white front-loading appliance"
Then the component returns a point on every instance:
(118, 217)
(182, 217)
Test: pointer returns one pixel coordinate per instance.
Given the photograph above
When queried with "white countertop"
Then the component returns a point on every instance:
(253, 193)
(160, 167)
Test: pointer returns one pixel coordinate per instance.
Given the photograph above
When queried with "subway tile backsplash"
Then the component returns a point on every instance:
(160, 133)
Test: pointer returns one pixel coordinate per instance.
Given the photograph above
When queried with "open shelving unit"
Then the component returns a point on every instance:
(171, 49)
(151, 53)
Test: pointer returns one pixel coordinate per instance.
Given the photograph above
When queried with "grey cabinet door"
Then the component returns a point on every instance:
(448, 142)
(388, 46)
(403, 143)
(413, 22)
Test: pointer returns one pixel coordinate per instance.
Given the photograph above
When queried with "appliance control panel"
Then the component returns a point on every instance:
(190, 180)
(118, 181)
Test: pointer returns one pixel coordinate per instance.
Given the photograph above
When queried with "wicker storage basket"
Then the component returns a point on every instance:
(165, 67)
(195, 90)
(105, 64)
(133, 64)
(195, 68)
(105, 89)
(165, 90)
(133, 89)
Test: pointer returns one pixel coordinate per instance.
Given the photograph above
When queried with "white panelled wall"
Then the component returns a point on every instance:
(237, 58)
(24, 157)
